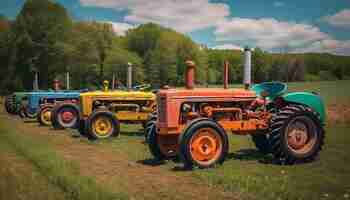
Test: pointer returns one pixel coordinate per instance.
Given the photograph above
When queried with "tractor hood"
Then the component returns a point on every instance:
(207, 93)
(123, 95)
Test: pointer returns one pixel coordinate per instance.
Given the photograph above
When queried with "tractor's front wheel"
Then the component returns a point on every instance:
(297, 135)
(44, 116)
(102, 124)
(204, 144)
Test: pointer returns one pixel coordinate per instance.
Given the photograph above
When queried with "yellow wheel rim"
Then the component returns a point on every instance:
(102, 126)
(46, 117)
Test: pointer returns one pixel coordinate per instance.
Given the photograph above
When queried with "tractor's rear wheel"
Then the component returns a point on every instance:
(65, 115)
(261, 142)
(8, 104)
(162, 147)
(45, 115)
(150, 124)
(102, 124)
(203, 144)
(297, 135)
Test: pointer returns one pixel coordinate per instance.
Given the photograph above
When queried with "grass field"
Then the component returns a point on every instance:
(65, 167)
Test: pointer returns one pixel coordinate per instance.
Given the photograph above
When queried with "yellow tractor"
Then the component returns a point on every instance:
(101, 112)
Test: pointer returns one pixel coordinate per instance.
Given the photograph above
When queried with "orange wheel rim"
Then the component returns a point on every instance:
(300, 137)
(206, 146)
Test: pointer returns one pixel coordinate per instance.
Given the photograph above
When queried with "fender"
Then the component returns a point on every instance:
(311, 100)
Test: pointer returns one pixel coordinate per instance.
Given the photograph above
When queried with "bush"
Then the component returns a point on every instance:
(312, 77)
(327, 76)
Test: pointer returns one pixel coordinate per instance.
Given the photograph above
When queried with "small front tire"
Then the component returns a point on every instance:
(102, 124)
(204, 144)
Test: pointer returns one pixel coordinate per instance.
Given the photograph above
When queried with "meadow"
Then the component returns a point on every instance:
(66, 166)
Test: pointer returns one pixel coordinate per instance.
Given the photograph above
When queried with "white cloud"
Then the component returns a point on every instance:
(278, 4)
(120, 28)
(268, 33)
(228, 46)
(327, 46)
(182, 15)
(271, 34)
(340, 19)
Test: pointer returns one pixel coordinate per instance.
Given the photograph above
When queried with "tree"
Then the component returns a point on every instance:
(40, 26)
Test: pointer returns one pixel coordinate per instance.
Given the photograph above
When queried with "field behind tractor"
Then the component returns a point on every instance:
(40, 163)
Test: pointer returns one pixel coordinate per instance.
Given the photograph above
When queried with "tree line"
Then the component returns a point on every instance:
(43, 38)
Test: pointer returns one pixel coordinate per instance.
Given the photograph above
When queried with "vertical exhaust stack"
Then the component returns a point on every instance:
(189, 79)
(226, 66)
(36, 81)
(129, 79)
(67, 81)
(247, 68)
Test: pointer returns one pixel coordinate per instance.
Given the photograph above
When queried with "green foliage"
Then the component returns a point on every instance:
(44, 38)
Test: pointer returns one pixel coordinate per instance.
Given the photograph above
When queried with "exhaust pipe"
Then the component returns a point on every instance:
(247, 67)
(189, 78)
(67, 81)
(129, 80)
(226, 65)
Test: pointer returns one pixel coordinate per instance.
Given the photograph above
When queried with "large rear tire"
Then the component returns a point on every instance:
(297, 135)
(65, 115)
(102, 124)
(204, 144)
(150, 124)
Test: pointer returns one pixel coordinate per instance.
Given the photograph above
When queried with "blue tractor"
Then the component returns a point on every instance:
(39, 104)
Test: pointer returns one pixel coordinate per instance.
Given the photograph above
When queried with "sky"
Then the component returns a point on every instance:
(273, 25)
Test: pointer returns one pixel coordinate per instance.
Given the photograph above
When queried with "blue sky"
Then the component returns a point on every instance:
(273, 25)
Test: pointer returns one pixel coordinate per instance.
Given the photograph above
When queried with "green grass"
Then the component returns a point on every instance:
(252, 175)
(245, 172)
(63, 176)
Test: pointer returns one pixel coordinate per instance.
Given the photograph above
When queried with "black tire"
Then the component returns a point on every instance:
(58, 122)
(261, 142)
(81, 128)
(115, 125)
(41, 112)
(282, 148)
(191, 132)
(8, 104)
(154, 146)
(22, 112)
(151, 123)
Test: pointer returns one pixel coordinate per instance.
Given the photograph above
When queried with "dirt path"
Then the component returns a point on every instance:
(111, 167)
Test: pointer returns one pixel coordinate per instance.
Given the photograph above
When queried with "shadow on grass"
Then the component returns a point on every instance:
(251, 155)
(30, 121)
(132, 134)
(152, 162)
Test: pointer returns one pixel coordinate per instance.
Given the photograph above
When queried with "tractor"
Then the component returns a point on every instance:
(101, 112)
(38, 104)
(193, 123)
(48, 104)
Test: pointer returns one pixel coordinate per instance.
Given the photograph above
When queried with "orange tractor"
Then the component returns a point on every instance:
(193, 123)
